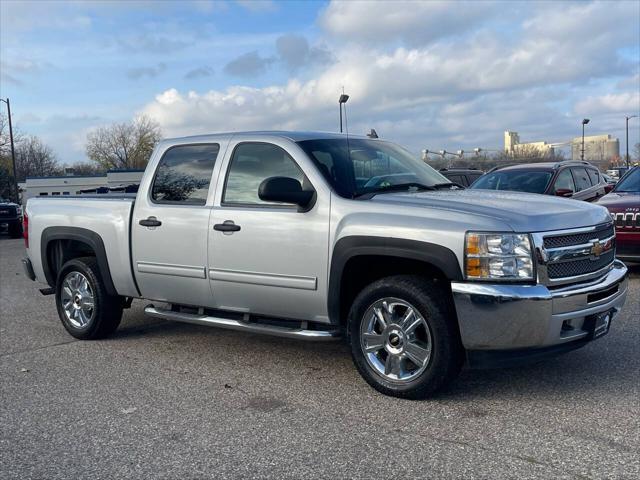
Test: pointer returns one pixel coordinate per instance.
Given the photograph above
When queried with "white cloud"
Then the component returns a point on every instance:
(626, 102)
(412, 22)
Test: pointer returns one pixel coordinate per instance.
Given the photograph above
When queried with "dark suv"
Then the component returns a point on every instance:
(11, 218)
(579, 180)
(462, 176)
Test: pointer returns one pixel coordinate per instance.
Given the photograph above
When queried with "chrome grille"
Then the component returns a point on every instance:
(579, 267)
(574, 255)
(556, 241)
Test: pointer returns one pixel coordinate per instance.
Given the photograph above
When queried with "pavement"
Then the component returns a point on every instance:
(170, 400)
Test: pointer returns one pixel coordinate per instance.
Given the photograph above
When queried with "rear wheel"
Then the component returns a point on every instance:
(403, 337)
(85, 308)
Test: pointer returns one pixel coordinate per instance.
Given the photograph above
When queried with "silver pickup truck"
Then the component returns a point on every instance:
(315, 236)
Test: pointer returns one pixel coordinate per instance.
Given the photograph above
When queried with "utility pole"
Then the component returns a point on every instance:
(13, 151)
(627, 125)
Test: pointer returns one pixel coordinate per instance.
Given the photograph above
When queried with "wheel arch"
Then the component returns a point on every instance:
(357, 253)
(60, 244)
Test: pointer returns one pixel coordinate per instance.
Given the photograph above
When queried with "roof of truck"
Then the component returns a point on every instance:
(295, 136)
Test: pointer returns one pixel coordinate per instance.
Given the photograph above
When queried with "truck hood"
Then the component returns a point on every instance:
(524, 212)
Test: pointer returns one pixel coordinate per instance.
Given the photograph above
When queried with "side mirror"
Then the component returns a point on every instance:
(286, 190)
(608, 188)
(564, 192)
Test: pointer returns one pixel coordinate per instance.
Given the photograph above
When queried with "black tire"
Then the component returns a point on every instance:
(107, 309)
(15, 230)
(432, 303)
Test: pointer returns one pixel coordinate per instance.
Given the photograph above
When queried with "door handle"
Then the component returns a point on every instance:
(150, 222)
(226, 226)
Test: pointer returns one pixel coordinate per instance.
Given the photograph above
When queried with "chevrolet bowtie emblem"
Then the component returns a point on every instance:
(596, 248)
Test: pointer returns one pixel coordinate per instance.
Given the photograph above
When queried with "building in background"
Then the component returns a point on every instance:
(601, 150)
(512, 146)
(74, 185)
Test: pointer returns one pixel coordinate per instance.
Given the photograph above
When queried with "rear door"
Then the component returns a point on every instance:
(170, 226)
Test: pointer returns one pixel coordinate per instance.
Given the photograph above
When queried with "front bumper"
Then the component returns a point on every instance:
(508, 317)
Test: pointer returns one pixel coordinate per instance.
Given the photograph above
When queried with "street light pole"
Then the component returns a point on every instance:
(13, 151)
(584, 122)
(627, 125)
(342, 100)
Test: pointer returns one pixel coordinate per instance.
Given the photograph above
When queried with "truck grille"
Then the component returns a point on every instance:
(628, 220)
(579, 267)
(556, 241)
(568, 254)
(7, 211)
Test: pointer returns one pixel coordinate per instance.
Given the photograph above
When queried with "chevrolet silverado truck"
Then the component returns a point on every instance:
(318, 235)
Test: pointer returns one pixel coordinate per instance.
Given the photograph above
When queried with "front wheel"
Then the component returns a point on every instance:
(403, 336)
(85, 308)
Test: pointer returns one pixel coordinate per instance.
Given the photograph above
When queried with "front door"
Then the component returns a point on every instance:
(273, 260)
(171, 226)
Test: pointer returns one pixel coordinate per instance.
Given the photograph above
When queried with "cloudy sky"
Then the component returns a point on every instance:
(425, 74)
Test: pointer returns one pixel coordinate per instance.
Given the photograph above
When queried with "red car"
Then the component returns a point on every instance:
(624, 206)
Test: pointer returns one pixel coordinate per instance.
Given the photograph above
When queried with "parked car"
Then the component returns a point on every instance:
(578, 180)
(624, 205)
(11, 218)
(617, 172)
(290, 234)
(609, 179)
(462, 176)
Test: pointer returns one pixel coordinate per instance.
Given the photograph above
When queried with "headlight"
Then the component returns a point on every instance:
(498, 256)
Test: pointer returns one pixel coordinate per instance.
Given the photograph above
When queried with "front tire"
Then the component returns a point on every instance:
(85, 308)
(403, 336)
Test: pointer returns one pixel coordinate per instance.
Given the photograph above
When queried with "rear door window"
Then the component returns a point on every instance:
(594, 176)
(581, 178)
(184, 174)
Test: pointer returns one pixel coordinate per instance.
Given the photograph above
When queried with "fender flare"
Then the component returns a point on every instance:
(347, 248)
(83, 235)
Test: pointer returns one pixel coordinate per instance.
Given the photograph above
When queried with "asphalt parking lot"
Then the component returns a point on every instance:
(169, 400)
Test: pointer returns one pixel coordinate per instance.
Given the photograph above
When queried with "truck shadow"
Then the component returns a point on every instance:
(599, 367)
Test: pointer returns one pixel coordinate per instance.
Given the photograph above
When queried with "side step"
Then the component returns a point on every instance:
(231, 324)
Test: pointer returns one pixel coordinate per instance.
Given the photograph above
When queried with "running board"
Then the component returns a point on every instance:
(198, 319)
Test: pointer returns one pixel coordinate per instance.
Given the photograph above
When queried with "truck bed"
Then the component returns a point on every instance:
(108, 215)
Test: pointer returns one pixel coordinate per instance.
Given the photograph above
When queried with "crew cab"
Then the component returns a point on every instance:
(624, 205)
(314, 236)
(572, 179)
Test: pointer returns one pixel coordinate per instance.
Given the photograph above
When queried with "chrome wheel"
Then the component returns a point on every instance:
(395, 340)
(77, 299)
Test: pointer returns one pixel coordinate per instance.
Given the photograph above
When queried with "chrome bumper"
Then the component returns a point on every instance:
(508, 317)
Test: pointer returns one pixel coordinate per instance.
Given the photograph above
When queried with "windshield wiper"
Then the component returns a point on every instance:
(393, 188)
(447, 185)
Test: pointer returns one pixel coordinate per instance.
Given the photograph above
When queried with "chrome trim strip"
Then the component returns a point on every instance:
(317, 335)
(264, 279)
(575, 252)
(172, 269)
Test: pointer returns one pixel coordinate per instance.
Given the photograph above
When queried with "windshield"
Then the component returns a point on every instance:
(630, 182)
(514, 180)
(372, 166)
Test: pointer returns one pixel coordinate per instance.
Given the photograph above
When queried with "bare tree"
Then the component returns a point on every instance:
(35, 159)
(85, 168)
(124, 145)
